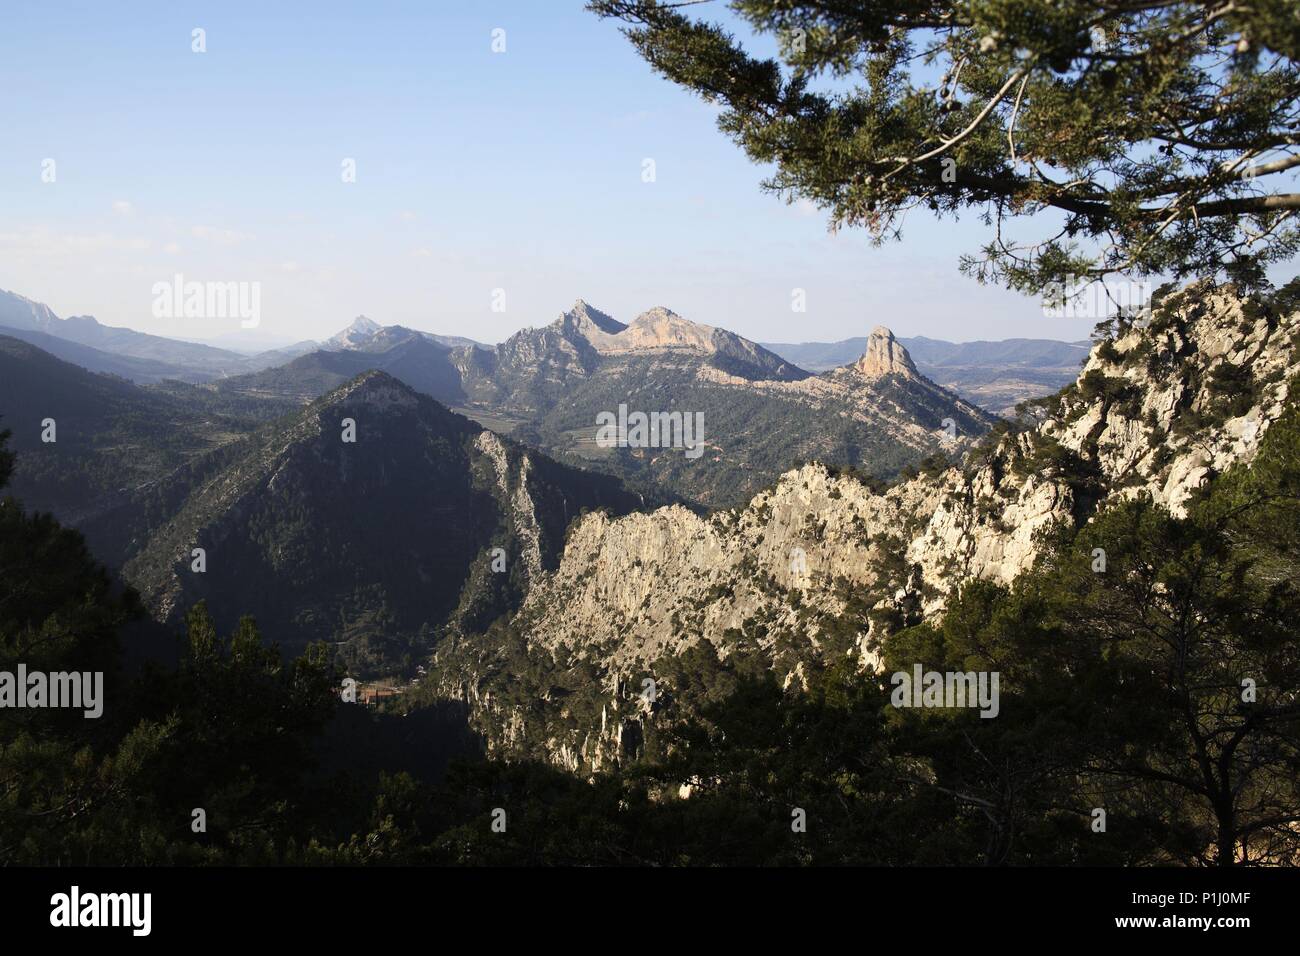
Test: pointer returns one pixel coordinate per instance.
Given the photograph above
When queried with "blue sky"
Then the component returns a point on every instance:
(476, 171)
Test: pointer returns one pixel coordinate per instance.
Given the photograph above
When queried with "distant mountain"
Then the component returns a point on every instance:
(363, 332)
(249, 342)
(819, 356)
(995, 375)
(95, 360)
(422, 364)
(548, 386)
(1006, 353)
(187, 361)
(536, 367)
(457, 341)
(1030, 353)
(279, 356)
(551, 386)
(354, 335)
(113, 441)
(662, 329)
(147, 359)
(19, 312)
(380, 542)
(760, 413)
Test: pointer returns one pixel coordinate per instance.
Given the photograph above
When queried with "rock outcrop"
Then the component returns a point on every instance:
(661, 329)
(884, 355)
(761, 414)
(355, 335)
(808, 568)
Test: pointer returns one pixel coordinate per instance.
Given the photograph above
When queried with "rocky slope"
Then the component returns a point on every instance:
(821, 566)
(373, 544)
(662, 329)
(760, 414)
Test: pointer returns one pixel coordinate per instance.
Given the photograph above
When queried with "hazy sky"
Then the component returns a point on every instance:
(475, 171)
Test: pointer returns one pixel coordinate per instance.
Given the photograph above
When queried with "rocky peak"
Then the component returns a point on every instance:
(884, 355)
(20, 312)
(356, 333)
(584, 314)
(590, 324)
(663, 328)
(82, 322)
(658, 328)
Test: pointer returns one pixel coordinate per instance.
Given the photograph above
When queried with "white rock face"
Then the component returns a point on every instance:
(782, 571)
(623, 582)
(354, 335)
(661, 329)
(20, 312)
(523, 511)
(884, 355)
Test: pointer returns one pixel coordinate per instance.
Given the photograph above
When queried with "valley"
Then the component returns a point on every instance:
(749, 436)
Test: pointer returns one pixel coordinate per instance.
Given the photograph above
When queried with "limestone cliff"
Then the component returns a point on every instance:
(819, 565)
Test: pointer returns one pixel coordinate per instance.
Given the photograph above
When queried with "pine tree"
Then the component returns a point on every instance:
(1151, 138)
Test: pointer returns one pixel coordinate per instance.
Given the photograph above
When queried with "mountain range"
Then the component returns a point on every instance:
(994, 375)
(547, 387)
(148, 359)
(382, 540)
(460, 449)
(1120, 554)
(761, 413)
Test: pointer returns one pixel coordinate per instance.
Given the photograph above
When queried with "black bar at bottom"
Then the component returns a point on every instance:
(383, 905)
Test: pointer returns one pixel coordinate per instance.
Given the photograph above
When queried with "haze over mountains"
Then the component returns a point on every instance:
(547, 386)
(151, 357)
(148, 358)
(993, 374)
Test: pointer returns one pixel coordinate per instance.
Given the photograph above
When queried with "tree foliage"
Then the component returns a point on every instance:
(1145, 138)
(1123, 689)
